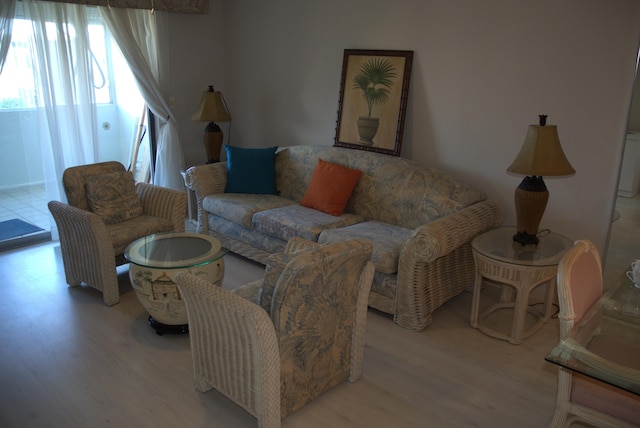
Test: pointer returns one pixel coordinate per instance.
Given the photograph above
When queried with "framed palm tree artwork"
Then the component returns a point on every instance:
(373, 100)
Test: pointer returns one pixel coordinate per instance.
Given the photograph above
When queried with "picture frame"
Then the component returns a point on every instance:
(374, 89)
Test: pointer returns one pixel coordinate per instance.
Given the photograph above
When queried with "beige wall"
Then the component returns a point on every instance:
(482, 72)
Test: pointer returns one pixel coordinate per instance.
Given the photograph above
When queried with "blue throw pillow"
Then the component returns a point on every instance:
(251, 170)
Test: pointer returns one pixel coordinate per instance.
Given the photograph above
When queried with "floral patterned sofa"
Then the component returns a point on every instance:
(420, 220)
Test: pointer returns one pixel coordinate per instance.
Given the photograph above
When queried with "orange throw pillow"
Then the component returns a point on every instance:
(330, 187)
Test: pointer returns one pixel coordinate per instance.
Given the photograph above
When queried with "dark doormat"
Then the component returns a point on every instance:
(15, 227)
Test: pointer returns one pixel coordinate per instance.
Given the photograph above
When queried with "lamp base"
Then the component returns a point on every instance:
(524, 239)
(531, 200)
(212, 139)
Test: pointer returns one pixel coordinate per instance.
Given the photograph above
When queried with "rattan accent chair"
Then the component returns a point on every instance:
(281, 342)
(580, 398)
(92, 247)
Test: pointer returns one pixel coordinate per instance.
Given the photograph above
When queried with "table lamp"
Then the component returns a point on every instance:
(212, 109)
(541, 154)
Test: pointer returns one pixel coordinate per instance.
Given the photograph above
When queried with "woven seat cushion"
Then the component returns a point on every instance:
(113, 196)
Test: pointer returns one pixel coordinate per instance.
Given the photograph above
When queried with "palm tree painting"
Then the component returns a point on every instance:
(375, 80)
(373, 98)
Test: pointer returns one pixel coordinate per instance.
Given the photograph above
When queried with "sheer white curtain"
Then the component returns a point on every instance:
(7, 13)
(137, 32)
(67, 120)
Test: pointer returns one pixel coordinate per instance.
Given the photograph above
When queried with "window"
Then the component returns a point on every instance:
(18, 86)
(119, 104)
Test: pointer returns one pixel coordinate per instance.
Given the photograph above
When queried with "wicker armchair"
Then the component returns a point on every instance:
(310, 338)
(580, 398)
(91, 249)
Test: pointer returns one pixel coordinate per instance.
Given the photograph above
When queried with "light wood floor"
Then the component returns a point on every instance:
(67, 360)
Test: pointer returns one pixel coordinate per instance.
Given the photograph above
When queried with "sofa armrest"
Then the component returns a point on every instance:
(440, 237)
(436, 262)
(206, 180)
(163, 202)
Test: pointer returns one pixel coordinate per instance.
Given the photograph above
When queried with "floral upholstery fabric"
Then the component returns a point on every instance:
(387, 239)
(124, 233)
(391, 189)
(74, 180)
(312, 312)
(385, 284)
(399, 205)
(250, 236)
(240, 208)
(296, 220)
(113, 196)
(272, 271)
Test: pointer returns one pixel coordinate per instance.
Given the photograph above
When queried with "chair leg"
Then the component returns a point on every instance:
(109, 288)
(110, 299)
(559, 419)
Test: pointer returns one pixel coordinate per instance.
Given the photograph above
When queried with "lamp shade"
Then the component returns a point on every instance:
(212, 108)
(541, 154)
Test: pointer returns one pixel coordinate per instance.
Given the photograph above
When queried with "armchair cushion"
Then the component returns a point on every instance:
(113, 196)
(276, 264)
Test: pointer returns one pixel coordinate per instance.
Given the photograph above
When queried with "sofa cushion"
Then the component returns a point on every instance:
(251, 170)
(296, 220)
(330, 187)
(240, 207)
(222, 229)
(387, 239)
(124, 233)
(113, 196)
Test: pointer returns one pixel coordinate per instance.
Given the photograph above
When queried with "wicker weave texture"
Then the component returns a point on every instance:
(435, 263)
(86, 244)
(273, 364)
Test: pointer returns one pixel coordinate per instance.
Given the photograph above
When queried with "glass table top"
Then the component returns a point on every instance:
(498, 244)
(605, 344)
(174, 250)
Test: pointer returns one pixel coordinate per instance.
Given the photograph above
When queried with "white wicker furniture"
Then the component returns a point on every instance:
(91, 249)
(421, 222)
(581, 398)
(519, 269)
(311, 338)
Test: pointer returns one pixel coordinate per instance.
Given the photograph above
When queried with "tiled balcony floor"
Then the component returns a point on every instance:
(27, 203)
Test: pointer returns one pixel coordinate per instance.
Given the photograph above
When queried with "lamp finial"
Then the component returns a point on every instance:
(543, 118)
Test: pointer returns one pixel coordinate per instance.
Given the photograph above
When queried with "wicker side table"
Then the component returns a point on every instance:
(520, 270)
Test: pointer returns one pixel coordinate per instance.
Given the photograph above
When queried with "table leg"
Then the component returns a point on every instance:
(519, 315)
(548, 300)
(475, 304)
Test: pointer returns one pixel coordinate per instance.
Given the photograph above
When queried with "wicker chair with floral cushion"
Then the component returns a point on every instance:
(105, 212)
(302, 334)
(579, 398)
